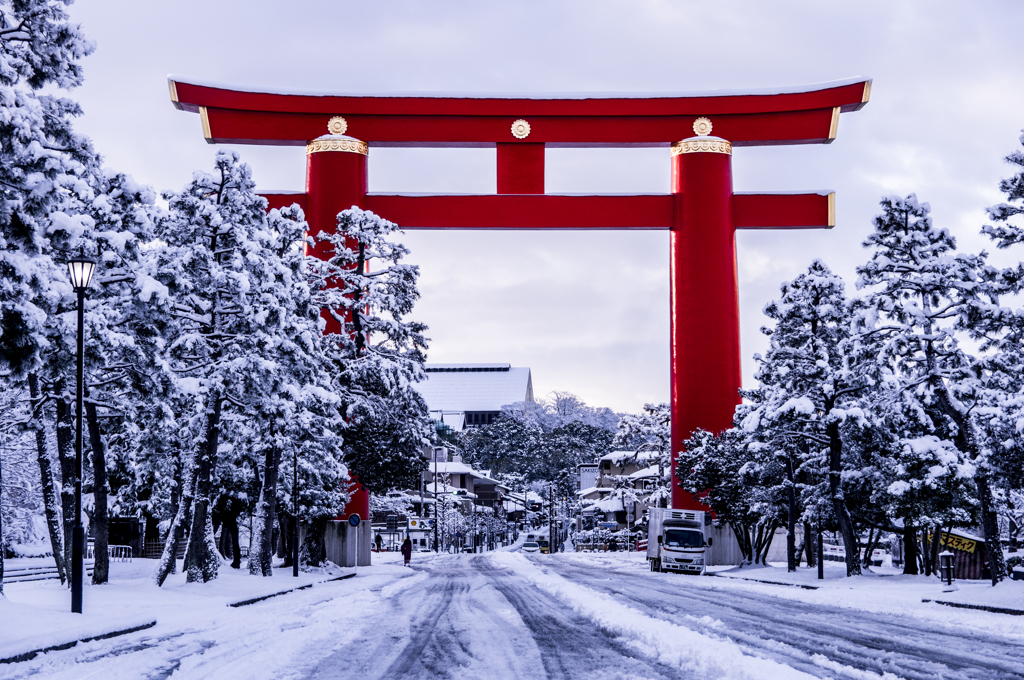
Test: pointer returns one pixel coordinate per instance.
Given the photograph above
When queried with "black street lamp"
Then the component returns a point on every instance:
(81, 269)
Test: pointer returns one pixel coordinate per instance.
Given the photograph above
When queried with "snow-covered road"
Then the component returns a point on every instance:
(504, 615)
(464, 617)
(818, 639)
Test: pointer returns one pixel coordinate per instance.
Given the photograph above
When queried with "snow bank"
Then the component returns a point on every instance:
(705, 656)
(881, 590)
(25, 628)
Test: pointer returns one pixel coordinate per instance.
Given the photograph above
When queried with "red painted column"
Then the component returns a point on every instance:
(704, 298)
(336, 181)
(520, 168)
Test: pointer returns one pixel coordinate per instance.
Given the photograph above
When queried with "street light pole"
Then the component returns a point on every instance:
(81, 270)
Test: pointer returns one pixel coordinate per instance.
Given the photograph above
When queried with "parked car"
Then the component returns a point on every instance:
(531, 546)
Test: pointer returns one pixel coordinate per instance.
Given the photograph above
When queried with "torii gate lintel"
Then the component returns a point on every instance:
(701, 213)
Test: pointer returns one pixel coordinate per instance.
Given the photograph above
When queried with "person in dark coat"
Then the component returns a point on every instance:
(407, 550)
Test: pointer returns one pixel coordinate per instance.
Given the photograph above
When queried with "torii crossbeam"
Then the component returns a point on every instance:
(702, 212)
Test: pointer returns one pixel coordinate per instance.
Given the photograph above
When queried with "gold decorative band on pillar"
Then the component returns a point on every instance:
(702, 145)
(337, 143)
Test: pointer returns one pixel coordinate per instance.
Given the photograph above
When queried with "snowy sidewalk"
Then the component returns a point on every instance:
(35, 616)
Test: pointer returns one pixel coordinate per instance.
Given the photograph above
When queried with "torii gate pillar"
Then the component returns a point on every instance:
(705, 372)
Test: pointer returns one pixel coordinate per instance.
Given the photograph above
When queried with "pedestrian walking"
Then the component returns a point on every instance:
(380, 543)
(407, 550)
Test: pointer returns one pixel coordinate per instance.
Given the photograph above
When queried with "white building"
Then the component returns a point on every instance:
(586, 476)
(471, 395)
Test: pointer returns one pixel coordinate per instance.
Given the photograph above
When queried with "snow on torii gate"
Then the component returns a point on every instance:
(701, 214)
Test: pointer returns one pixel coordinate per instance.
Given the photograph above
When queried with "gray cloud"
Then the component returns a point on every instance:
(588, 311)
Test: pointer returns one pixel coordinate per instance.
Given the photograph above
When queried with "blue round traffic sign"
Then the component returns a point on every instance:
(353, 520)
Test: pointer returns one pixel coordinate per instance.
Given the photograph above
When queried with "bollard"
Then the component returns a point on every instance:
(946, 570)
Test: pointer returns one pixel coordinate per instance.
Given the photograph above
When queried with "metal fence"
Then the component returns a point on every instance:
(117, 553)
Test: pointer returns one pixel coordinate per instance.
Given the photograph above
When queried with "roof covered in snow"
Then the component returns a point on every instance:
(645, 473)
(619, 456)
(474, 387)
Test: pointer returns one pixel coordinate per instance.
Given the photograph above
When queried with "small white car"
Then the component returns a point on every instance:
(531, 546)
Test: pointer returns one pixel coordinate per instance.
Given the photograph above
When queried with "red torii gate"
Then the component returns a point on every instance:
(702, 212)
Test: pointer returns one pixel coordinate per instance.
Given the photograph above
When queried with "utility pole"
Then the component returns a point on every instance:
(553, 546)
(437, 518)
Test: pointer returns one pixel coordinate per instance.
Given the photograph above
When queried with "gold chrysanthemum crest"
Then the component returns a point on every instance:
(702, 127)
(337, 125)
(520, 129)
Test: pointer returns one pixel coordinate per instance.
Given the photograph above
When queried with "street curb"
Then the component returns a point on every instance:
(28, 656)
(771, 583)
(243, 603)
(981, 607)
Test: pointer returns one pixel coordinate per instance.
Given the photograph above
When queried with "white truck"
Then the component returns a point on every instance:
(677, 540)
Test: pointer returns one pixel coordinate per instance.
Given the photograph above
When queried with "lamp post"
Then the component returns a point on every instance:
(80, 270)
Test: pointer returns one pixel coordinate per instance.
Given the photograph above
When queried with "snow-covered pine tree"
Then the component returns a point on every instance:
(113, 217)
(1004, 411)
(729, 473)
(233, 300)
(297, 408)
(806, 395)
(506, 446)
(367, 293)
(922, 296)
(39, 155)
(651, 431)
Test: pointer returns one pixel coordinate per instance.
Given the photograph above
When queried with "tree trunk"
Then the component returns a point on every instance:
(763, 541)
(101, 565)
(835, 491)
(66, 457)
(873, 540)
(742, 534)
(176, 496)
(229, 531)
(791, 556)
(284, 543)
(201, 558)
(990, 524)
(933, 549)
(261, 551)
(314, 550)
(809, 545)
(176, 532)
(51, 505)
(1, 534)
(909, 549)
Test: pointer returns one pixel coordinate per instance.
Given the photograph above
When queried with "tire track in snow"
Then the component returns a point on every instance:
(570, 645)
(810, 637)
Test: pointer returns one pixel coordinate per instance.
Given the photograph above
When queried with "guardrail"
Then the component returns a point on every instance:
(118, 553)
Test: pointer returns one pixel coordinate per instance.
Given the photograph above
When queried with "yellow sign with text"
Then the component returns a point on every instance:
(955, 542)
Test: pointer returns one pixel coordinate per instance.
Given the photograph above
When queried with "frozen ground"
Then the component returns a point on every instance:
(507, 615)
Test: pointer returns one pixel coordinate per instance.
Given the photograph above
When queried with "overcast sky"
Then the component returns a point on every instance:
(587, 311)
